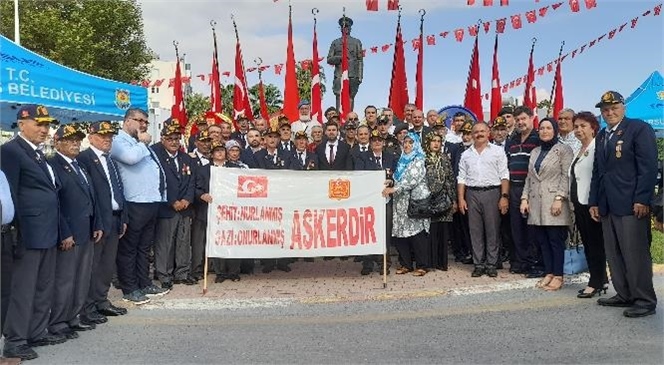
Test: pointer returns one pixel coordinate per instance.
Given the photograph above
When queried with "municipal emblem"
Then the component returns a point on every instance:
(660, 95)
(339, 189)
(122, 99)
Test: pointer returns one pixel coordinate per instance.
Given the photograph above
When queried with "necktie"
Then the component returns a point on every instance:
(331, 157)
(77, 168)
(162, 178)
(41, 161)
(609, 134)
(364, 149)
(378, 161)
(300, 156)
(115, 179)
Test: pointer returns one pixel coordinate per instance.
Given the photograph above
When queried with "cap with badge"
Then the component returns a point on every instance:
(217, 144)
(467, 127)
(499, 122)
(350, 125)
(38, 113)
(203, 136)
(283, 121)
(375, 135)
(102, 127)
(272, 130)
(400, 128)
(68, 131)
(383, 120)
(610, 98)
(171, 126)
(439, 123)
(301, 135)
(508, 109)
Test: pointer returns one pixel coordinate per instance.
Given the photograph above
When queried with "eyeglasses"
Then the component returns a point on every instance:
(353, 119)
(142, 121)
(172, 139)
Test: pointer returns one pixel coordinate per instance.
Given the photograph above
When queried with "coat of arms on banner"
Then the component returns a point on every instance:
(252, 186)
(122, 99)
(339, 189)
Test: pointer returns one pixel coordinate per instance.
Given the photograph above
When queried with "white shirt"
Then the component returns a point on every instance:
(452, 138)
(571, 141)
(203, 159)
(327, 150)
(34, 147)
(71, 163)
(175, 160)
(104, 165)
(484, 169)
(363, 148)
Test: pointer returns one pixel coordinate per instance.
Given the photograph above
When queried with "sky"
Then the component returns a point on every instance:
(620, 64)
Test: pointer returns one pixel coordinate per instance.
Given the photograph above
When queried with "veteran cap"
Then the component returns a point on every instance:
(499, 122)
(467, 127)
(102, 127)
(38, 113)
(170, 128)
(508, 109)
(68, 131)
(375, 135)
(217, 144)
(203, 136)
(301, 135)
(610, 97)
(439, 122)
(383, 120)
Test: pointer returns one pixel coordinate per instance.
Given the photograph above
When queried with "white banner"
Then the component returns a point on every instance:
(283, 213)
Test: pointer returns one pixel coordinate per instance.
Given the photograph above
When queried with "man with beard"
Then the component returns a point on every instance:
(253, 146)
(334, 154)
(304, 123)
(241, 134)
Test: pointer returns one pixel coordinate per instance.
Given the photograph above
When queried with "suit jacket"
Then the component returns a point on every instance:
(179, 180)
(241, 138)
(35, 198)
(79, 215)
(247, 156)
(264, 161)
(310, 161)
(343, 159)
(366, 162)
(281, 148)
(625, 171)
(583, 172)
(425, 131)
(202, 186)
(542, 187)
(355, 151)
(102, 190)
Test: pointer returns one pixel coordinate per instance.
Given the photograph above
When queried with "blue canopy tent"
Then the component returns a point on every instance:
(69, 95)
(647, 102)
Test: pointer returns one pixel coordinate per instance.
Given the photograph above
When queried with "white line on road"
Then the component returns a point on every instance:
(216, 304)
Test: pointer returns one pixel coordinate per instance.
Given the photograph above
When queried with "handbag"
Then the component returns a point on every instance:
(575, 260)
(419, 208)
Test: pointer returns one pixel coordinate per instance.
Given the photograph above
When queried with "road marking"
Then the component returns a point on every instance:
(216, 304)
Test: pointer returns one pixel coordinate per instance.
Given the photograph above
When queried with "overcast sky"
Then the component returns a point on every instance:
(622, 63)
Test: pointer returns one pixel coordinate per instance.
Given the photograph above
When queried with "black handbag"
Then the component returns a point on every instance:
(419, 208)
(440, 205)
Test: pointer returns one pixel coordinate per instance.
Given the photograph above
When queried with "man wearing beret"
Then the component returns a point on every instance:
(355, 62)
(507, 112)
(172, 249)
(34, 188)
(621, 191)
(109, 197)
(305, 121)
(80, 225)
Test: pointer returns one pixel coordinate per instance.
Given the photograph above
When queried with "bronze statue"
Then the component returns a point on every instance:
(355, 62)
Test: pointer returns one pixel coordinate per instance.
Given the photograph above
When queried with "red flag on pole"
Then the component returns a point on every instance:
(316, 97)
(178, 110)
(473, 99)
(291, 93)
(392, 4)
(399, 83)
(372, 5)
(215, 84)
(558, 101)
(261, 97)
(345, 82)
(419, 79)
(241, 105)
(496, 96)
(530, 79)
(533, 95)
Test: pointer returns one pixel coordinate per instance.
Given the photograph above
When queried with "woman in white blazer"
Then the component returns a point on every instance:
(581, 170)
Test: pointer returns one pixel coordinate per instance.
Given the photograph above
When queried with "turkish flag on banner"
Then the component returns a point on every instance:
(591, 4)
(500, 25)
(531, 16)
(458, 34)
(516, 21)
(392, 4)
(574, 5)
(372, 5)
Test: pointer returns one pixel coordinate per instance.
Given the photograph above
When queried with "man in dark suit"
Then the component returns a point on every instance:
(34, 188)
(80, 225)
(241, 134)
(334, 154)
(621, 191)
(378, 159)
(109, 198)
(172, 249)
(362, 144)
(300, 159)
(200, 158)
(285, 145)
(418, 125)
(253, 146)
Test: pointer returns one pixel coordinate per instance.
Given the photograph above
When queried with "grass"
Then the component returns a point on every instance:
(657, 247)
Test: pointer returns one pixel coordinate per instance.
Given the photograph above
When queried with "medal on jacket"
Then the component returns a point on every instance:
(619, 149)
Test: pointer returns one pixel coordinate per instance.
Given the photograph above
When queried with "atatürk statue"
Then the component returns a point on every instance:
(355, 62)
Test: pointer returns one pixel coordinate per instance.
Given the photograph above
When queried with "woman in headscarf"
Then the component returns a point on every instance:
(410, 234)
(545, 200)
(440, 181)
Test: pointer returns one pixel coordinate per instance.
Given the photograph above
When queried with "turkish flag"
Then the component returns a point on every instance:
(399, 84)
(516, 21)
(542, 11)
(372, 5)
(500, 25)
(473, 30)
(215, 84)
(496, 97)
(473, 98)
(574, 5)
(504, 2)
(392, 4)
(531, 17)
(419, 78)
(291, 91)
(591, 4)
(241, 104)
(488, 2)
(431, 40)
(178, 110)
(316, 94)
(458, 34)
(558, 102)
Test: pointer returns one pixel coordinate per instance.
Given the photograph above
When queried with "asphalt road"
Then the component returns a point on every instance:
(522, 326)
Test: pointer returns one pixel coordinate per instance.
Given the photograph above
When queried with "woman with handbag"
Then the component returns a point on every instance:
(543, 199)
(585, 129)
(410, 194)
(441, 182)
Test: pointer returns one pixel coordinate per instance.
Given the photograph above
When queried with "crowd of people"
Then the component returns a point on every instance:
(135, 208)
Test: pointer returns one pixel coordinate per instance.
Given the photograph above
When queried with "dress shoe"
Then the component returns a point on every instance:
(93, 318)
(83, 327)
(67, 332)
(109, 312)
(479, 271)
(535, 273)
(120, 310)
(636, 312)
(220, 279)
(267, 269)
(492, 272)
(47, 340)
(467, 261)
(366, 271)
(517, 270)
(186, 281)
(167, 285)
(23, 352)
(614, 301)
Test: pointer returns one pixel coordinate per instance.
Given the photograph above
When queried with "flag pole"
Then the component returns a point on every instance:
(419, 79)
(553, 85)
(217, 76)
(17, 28)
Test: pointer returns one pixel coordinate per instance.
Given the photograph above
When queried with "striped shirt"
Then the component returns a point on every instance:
(518, 155)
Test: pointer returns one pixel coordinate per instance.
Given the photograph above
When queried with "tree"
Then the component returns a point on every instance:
(196, 104)
(103, 38)
(304, 80)
(273, 99)
(544, 104)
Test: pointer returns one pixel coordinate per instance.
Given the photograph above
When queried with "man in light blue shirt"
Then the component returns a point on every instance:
(7, 213)
(144, 190)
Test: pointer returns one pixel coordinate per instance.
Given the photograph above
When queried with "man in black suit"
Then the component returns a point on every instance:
(285, 145)
(172, 249)
(243, 128)
(34, 188)
(80, 225)
(253, 146)
(621, 191)
(334, 154)
(200, 158)
(418, 125)
(109, 198)
(363, 133)
(300, 159)
(378, 159)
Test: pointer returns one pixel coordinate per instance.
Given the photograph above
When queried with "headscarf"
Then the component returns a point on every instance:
(432, 157)
(407, 158)
(547, 145)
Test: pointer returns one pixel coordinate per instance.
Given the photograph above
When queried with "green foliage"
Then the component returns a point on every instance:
(103, 38)
(273, 99)
(657, 247)
(304, 81)
(660, 149)
(197, 104)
